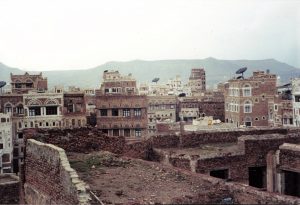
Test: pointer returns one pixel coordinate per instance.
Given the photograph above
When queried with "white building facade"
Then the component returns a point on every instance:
(296, 101)
(6, 143)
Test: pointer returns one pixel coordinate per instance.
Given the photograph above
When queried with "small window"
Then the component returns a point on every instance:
(138, 132)
(126, 112)
(256, 119)
(138, 112)
(103, 112)
(116, 132)
(127, 132)
(275, 107)
(115, 112)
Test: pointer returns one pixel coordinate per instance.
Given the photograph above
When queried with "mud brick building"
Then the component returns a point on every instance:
(115, 83)
(122, 115)
(74, 109)
(251, 101)
(43, 110)
(188, 108)
(212, 104)
(119, 110)
(197, 80)
(284, 170)
(24, 83)
(160, 108)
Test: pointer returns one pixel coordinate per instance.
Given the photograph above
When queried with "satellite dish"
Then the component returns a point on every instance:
(2, 84)
(241, 70)
(182, 95)
(155, 80)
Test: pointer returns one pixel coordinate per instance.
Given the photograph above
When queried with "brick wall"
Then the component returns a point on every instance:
(205, 137)
(78, 140)
(252, 152)
(289, 157)
(49, 179)
(9, 189)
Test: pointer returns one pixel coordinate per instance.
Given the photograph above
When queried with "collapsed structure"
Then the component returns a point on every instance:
(249, 166)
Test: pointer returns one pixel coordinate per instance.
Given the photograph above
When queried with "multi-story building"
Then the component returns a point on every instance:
(175, 85)
(115, 83)
(212, 104)
(6, 143)
(143, 89)
(197, 80)
(296, 101)
(74, 109)
(188, 108)
(43, 110)
(24, 83)
(120, 111)
(251, 101)
(160, 108)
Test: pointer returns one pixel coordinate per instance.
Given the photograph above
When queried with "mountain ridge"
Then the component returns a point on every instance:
(217, 70)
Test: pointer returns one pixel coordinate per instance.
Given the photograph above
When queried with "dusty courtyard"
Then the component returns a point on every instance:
(120, 180)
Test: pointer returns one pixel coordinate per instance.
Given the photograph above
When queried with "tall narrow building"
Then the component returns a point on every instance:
(197, 80)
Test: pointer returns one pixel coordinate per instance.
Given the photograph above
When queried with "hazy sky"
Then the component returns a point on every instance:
(77, 34)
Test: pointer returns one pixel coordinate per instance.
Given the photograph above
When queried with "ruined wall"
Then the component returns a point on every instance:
(289, 157)
(251, 151)
(9, 189)
(49, 179)
(243, 194)
(78, 140)
(199, 138)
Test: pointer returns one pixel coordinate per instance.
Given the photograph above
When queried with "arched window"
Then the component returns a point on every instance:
(8, 108)
(248, 106)
(247, 90)
(20, 109)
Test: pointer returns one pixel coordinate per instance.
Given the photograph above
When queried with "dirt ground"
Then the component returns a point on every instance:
(119, 180)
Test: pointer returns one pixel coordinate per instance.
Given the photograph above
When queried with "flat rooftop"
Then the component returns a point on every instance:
(124, 180)
(204, 151)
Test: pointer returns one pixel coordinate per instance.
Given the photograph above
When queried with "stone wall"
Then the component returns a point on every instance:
(9, 189)
(49, 179)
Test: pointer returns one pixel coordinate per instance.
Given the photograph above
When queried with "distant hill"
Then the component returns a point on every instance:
(144, 71)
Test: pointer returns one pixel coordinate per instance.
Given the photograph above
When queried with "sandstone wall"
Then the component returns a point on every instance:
(49, 179)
